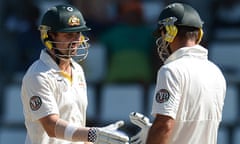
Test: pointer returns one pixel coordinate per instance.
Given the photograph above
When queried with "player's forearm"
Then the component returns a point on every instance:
(59, 128)
(67, 131)
(157, 136)
(160, 131)
(56, 127)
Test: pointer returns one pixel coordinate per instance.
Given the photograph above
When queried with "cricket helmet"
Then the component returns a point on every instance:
(185, 16)
(66, 19)
(172, 17)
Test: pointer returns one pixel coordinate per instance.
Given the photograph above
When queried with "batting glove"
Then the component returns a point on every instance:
(109, 134)
(142, 122)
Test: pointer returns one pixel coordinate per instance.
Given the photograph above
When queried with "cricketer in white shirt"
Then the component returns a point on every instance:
(45, 91)
(191, 90)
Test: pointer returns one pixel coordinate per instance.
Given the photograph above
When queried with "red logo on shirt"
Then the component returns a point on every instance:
(162, 96)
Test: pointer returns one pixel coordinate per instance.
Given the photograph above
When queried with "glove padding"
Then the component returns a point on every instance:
(142, 122)
(110, 135)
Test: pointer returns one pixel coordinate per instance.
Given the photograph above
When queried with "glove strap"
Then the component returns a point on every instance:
(92, 135)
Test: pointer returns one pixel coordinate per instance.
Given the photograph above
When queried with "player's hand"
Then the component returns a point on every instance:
(142, 122)
(110, 135)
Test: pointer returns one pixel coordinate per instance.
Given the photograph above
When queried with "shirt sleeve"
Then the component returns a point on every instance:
(38, 92)
(167, 94)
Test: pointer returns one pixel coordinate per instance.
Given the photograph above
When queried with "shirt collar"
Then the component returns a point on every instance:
(47, 59)
(196, 51)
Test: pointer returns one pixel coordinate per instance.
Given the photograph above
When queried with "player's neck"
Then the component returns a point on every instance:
(183, 43)
(65, 66)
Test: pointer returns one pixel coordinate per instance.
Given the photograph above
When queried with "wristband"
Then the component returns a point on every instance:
(64, 130)
(69, 131)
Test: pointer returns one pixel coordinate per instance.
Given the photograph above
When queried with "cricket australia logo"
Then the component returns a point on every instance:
(162, 96)
(74, 21)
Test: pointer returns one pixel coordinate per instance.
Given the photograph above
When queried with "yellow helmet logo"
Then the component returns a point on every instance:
(74, 21)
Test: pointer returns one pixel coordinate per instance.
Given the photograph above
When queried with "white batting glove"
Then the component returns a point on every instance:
(142, 122)
(110, 135)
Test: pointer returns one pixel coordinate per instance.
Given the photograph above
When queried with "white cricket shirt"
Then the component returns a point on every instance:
(191, 90)
(46, 90)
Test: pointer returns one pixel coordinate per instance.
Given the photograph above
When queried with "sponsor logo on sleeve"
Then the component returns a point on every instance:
(35, 103)
(162, 96)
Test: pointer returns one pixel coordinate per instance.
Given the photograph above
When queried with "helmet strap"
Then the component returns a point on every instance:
(200, 35)
(57, 59)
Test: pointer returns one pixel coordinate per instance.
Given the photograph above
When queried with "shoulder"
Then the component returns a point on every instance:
(169, 72)
(172, 67)
(38, 72)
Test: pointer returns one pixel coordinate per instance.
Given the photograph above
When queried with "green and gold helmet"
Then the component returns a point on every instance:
(184, 14)
(65, 19)
(171, 19)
